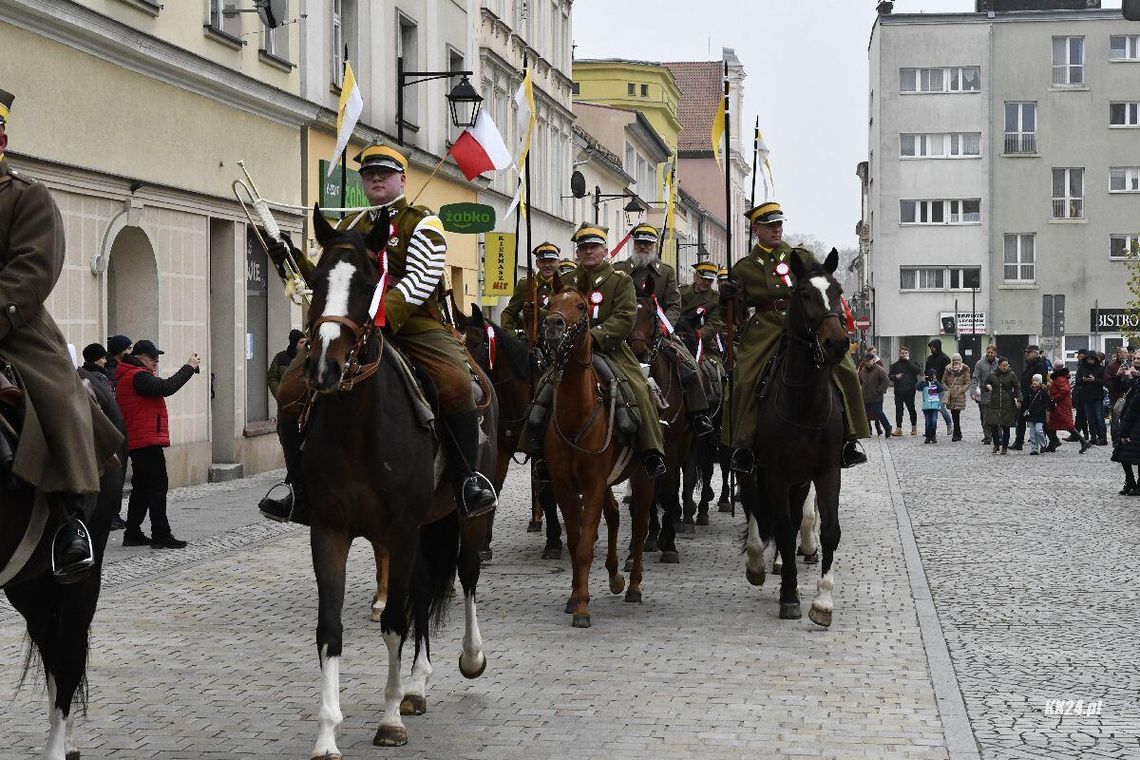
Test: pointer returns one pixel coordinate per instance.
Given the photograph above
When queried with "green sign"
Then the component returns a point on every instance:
(330, 189)
(467, 218)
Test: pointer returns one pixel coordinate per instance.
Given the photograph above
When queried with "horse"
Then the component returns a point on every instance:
(799, 439)
(361, 485)
(647, 341)
(58, 615)
(580, 445)
(706, 452)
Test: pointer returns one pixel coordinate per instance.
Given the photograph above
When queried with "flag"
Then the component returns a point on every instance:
(621, 244)
(716, 134)
(524, 127)
(347, 114)
(671, 208)
(763, 152)
(481, 148)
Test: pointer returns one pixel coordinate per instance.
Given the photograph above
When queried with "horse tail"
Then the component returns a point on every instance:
(436, 561)
(34, 655)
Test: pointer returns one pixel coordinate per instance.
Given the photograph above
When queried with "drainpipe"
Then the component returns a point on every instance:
(991, 163)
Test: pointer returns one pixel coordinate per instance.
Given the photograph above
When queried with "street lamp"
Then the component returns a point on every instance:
(463, 101)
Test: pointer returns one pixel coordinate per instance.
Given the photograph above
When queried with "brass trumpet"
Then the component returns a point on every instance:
(253, 204)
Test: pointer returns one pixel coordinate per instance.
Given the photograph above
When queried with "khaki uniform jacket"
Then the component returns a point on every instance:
(66, 438)
(759, 288)
(702, 310)
(658, 279)
(512, 318)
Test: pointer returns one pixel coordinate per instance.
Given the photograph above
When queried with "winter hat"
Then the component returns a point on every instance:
(117, 344)
(1037, 379)
(955, 357)
(94, 353)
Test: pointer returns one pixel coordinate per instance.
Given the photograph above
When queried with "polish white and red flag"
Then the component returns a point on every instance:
(481, 148)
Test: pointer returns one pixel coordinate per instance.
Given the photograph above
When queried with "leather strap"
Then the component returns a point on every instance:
(780, 304)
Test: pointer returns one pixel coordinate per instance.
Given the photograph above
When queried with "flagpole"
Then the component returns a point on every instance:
(755, 160)
(729, 351)
(344, 153)
(532, 327)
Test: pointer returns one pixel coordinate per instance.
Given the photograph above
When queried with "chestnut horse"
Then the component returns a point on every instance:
(586, 458)
(647, 340)
(799, 439)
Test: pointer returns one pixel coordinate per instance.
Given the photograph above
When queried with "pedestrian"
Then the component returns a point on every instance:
(1088, 393)
(904, 375)
(118, 346)
(938, 362)
(281, 362)
(984, 367)
(1060, 417)
(932, 392)
(95, 362)
(1126, 453)
(956, 379)
(1036, 408)
(1121, 360)
(873, 380)
(142, 399)
(1078, 408)
(288, 429)
(1035, 364)
(1004, 404)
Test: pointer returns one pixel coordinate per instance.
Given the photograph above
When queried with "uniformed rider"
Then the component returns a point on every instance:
(66, 439)
(653, 278)
(517, 315)
(700, 304)
(417, 255)
(761, 281)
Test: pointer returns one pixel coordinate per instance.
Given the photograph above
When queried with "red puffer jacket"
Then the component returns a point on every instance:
(147, 421)
(1061, 416)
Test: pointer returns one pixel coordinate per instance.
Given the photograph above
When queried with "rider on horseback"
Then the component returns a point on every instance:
(55, 454)
(762, 280)
(653, 278)
(416, 257)
(519, 310)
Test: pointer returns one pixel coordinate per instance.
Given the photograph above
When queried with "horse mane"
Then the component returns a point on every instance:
(515, 351)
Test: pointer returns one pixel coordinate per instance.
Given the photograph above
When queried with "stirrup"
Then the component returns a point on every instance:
(851, 454)
(743, 461)
(703, 425)
(77, 569)
(467, 510)
(276, 516)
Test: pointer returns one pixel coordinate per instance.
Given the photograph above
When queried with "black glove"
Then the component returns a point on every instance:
(278, 250)
(728, 290)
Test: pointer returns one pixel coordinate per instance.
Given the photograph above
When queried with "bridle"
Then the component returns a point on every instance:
(810, 336)
(561, 356)
(654, 344)
(353, 371)
(561, 352)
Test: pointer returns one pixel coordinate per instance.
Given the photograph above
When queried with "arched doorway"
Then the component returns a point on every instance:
(132, 287)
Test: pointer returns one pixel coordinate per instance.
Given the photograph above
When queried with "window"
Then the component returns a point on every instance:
(337, 42)
(1124, 246)
(631, 89)
(968, 211)
(1124, 48)
(230, 27)
(955, 79)
(407, 47)
(1124, 179)
(1068, 193)
(1068, 61)
(952, 145)
(1124, 114)
(922, 278)
(275, 42)
(455, 62)
(1020, 127)
(960, 276)
(1020, 258)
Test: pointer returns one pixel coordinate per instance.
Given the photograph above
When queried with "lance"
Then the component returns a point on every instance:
(729, 351)
(755, 162)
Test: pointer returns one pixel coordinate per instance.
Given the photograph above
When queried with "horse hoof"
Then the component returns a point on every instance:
(552, 552)
(651, 545)
(755, 578)
(670, 557)
(374, 616)
(811, 559)
(414, 704)
(617, 583)
(777, 568)
(819, 617)
(326, 756)
(390, 736)
(790, 611)
(486, 555)
(581, 620)
(472, 674)
(534, 526)
(703, 517)
(724, 507)
(634, 597)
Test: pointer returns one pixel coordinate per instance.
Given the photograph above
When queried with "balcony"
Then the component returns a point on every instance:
(1021, 142)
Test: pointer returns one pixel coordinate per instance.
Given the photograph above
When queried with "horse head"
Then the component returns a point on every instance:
(566, 325)
(344, 283)
(645, 338)
(815, 313)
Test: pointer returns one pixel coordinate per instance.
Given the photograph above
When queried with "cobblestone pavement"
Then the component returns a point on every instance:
(1030, 560)
(208, 652)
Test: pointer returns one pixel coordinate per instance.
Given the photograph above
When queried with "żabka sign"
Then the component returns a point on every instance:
(467, 218)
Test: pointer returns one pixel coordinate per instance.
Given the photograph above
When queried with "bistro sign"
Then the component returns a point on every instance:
(1113, 320)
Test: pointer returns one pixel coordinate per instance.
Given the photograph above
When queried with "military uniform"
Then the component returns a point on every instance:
(701, 309)
(759, 287)
(513, 317)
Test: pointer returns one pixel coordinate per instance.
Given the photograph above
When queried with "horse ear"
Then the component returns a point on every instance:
(377, 238)
(797, 265)
(831, 263)
(556, 283)
(324, 231)
(477, 317)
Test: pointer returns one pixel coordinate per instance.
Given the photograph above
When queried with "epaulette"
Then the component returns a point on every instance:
(21, 177)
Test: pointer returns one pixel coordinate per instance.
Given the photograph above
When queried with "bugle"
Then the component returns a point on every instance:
(252, 204)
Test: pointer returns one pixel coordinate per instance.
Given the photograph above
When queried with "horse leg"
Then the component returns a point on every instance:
(593, 497)
(827, 498)
(380, 598)
(472, 661)
(643, 505)
(536, 509)
(570, 503)
(724, 503)
(797, 497)
(650, 544)
(613, 520)
(809, 531)
(394, 626)
(706, 458)
(330, 554)
(690, 474)
(553, 547)
(780, 502)
(670, 515)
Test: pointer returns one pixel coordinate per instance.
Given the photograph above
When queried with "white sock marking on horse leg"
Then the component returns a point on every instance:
(421, 674)
(809, 526)
(823, 589)
(754, 561)
(472, 657)
(330, 715)
(54, 748)
(822, 285)
(769, 554)
(394, 689)
(69, 744)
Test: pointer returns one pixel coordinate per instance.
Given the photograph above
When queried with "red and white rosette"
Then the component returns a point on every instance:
(784, 272)
(376, 308)
(596, 299)
(490, 346)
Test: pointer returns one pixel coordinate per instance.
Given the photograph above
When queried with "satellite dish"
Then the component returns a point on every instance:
(272, 12)
(578, 184)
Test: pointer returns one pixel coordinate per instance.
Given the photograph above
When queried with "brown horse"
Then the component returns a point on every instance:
(649, 345)
(586, 458)
(799, 439)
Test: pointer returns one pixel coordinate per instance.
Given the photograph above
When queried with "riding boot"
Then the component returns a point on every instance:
(474, 494)
(72, 553)
(852, 455)
(702, 425)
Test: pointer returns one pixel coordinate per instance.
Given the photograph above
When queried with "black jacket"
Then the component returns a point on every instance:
(908, 383)
(937, 362)
(1037, 405)
(1035, 367)
(147, 384)
(101, 375)
(1089, 383)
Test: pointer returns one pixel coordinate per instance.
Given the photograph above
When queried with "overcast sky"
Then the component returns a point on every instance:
(806, 62)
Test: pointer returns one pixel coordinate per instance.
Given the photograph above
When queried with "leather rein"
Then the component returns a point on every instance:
(561, 357)
(354, 371)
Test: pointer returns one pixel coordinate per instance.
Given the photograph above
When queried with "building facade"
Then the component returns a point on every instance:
(648, 88)
(1002, 187)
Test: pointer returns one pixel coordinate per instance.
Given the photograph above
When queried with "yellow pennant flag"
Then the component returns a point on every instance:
(716, 134)
(348, 113)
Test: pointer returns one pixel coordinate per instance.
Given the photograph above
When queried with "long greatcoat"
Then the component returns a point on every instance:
(657, 279)
(1061, 416)
(1004, 398)
(66, 438)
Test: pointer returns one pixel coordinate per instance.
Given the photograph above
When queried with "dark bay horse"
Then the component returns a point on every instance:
(586, 457)
(698, 467)
(59, 615)
(374, 470)
(799, 439)
(647, 340)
